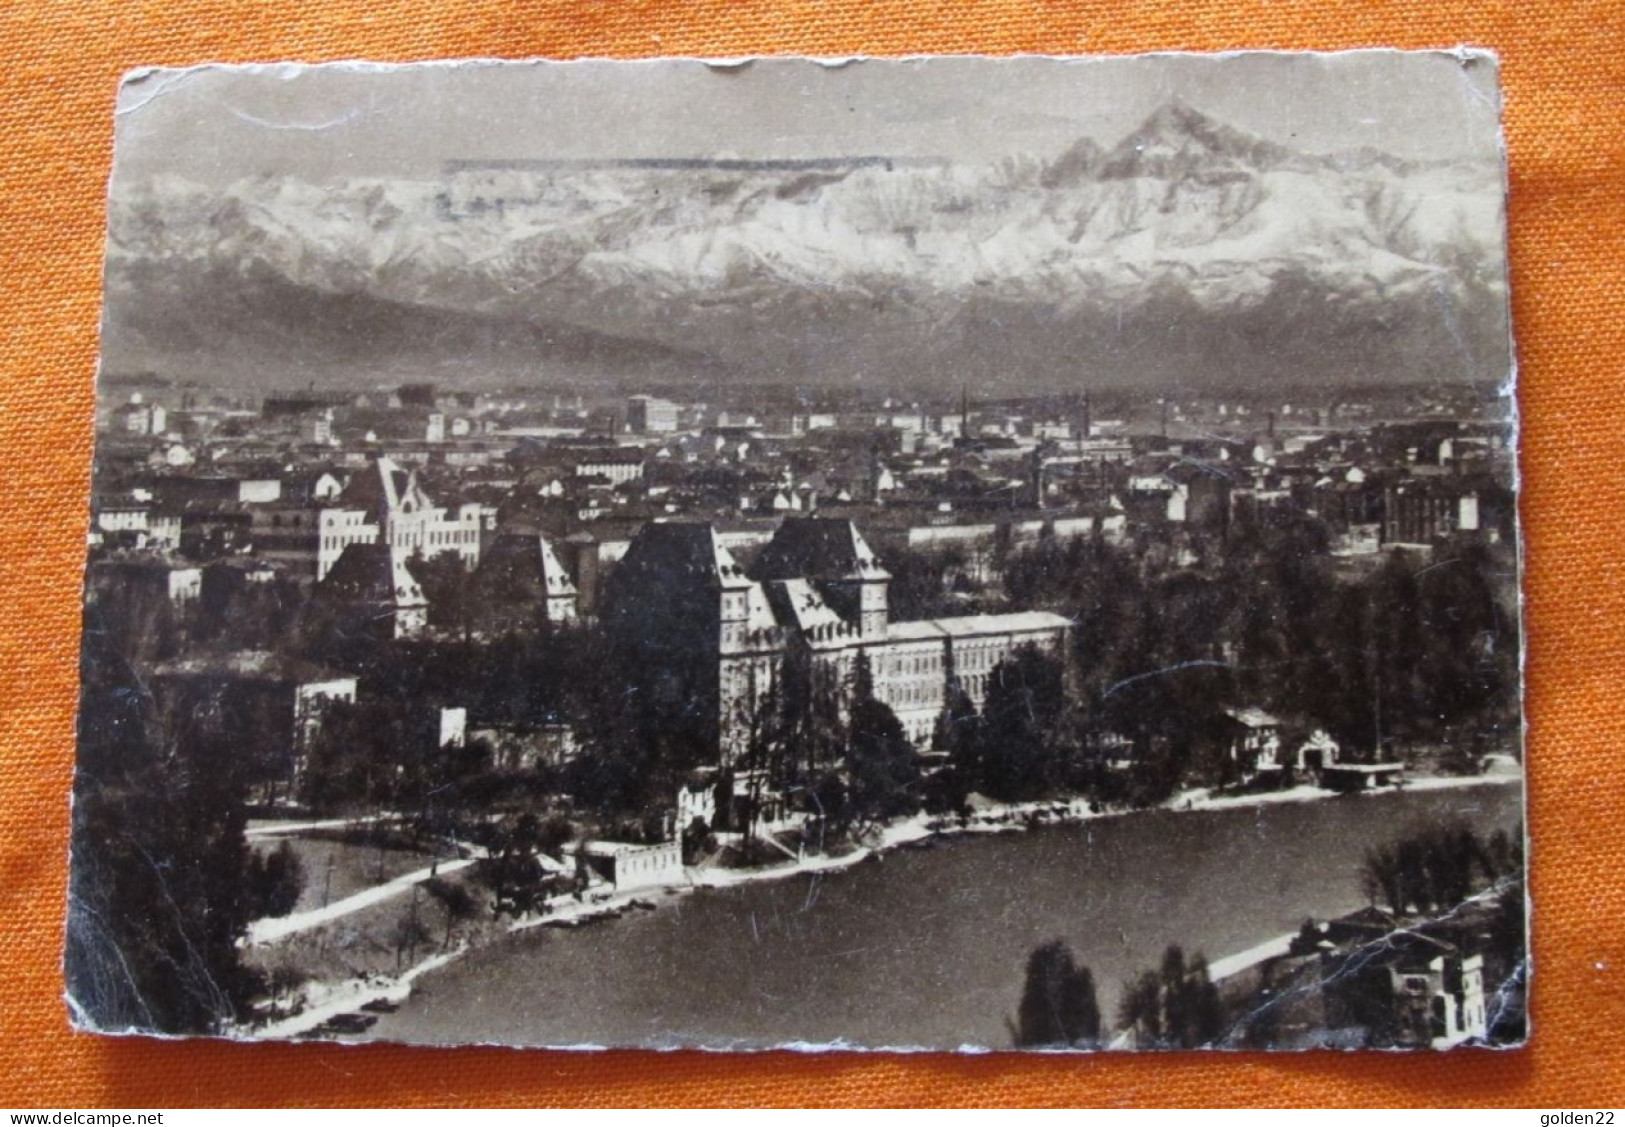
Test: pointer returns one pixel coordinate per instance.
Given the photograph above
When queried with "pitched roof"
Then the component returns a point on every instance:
(924, 630)
(1021, 622)
(821, 548)
(798, 606)
(374, 573)
(383, 488)
(1252, 717)
(526, 557)
(684, 552)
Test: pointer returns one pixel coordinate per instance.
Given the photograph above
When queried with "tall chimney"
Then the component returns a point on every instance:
(1087, 422)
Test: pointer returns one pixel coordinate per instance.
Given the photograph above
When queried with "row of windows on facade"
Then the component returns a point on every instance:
(915, 681)
(338, 543)
(909, 664)
(915, 693)
(980, 656)
(744, 635)
(447, 539)
(436, 539)
(884, 666)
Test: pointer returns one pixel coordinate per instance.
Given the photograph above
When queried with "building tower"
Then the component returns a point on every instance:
(874, 601)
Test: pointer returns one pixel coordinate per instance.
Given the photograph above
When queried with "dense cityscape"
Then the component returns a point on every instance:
(464, 661)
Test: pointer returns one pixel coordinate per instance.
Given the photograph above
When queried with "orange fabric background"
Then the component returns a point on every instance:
(1564, 77)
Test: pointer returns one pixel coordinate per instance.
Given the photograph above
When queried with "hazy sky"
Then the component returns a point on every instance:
(219, 124)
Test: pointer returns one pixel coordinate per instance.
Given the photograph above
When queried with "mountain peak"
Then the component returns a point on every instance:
(1177, 136)
(1177, 113)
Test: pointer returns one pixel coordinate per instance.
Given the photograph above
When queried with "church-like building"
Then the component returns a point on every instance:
(710, 637)
(384, 504)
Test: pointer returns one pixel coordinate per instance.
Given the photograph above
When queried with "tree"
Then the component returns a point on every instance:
(239, 615)
(1503, 854)
(1451, 853)
(1058, 1005)
(926, 584)
(697, 841)
(1176, 1006)
(1382, 877)
(863, 678)
(1139, 1011)
(1467, 658)
(1508, 939)
(1433, 870)
(1044, 575)
(884, 770)
(451, 787)
(276, 881)
(136, 620)
(960, 734)
(445, 581)
(368, 755)
(512, 867)
(408, 933)
(160, 882)
(455, 900)
(1026, 697)
(815, 733)
(638, 741)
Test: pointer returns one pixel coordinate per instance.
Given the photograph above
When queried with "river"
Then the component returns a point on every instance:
(927, 947)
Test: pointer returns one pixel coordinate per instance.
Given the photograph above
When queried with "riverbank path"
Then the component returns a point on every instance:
(280, 927)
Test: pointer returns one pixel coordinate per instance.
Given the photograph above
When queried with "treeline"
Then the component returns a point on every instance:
(136, 617)
(1177, 1005)
(850, 767)
(163, 884)
(1168, 631)
(1166, 634)
(1173, 1006)
(1438, 868)
(1033, 740)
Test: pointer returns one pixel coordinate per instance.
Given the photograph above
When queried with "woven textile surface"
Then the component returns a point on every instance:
(1564, 80)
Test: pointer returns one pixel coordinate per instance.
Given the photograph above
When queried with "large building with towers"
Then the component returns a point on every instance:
(709, 633)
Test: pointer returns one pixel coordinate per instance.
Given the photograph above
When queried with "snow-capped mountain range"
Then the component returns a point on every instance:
(1189, 252)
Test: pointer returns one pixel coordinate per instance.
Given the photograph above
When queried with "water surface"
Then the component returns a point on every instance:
(928, 947)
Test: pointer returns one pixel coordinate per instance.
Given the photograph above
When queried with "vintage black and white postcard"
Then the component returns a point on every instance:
(936, 553)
